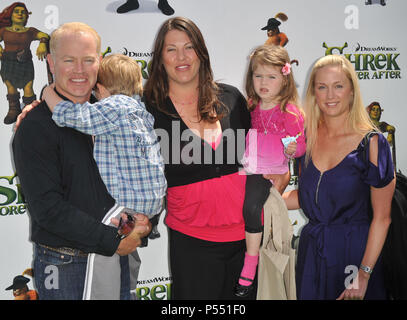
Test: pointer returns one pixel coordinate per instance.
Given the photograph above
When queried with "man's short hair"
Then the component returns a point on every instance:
(72, 27)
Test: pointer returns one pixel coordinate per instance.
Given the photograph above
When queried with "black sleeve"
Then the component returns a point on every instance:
(237, 106)
(245, 117)
(39, 168)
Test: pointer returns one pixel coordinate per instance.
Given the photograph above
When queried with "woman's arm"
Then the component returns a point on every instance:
(381, 199)
(291, 199)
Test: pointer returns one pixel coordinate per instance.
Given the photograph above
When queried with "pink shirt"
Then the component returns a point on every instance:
(264, 152)
(210, 210)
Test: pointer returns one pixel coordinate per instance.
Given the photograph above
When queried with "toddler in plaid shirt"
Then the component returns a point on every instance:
(126, 148)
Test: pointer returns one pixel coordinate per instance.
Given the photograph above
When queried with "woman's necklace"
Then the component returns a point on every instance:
(185, 102)
(183, 107)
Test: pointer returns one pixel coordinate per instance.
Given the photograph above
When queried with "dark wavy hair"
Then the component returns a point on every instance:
(5, 15)
(156, 88)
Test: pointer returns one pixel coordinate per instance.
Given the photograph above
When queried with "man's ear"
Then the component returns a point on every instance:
(51, 63)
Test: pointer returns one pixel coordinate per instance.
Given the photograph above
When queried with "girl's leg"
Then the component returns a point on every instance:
(251, 260)
(253, 242)
(257, 191)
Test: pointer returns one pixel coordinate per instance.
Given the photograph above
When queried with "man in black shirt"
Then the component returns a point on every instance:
(66, 196)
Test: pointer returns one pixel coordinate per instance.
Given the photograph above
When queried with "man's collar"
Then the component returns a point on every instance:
(92, 98)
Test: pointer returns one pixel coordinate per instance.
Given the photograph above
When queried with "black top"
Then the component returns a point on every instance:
(60, 180)
(188, 158)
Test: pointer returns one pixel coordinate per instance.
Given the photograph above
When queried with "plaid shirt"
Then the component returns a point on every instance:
(126, 148)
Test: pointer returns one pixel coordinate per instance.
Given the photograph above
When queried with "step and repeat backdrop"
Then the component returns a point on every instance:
(369, 33)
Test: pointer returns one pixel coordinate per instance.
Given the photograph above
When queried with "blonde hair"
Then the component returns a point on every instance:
(276, 56)
(72, 28)
(120, 74)
(358, 120)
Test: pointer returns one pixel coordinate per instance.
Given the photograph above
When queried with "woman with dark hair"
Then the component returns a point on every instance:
(17, 69)
(202, 126)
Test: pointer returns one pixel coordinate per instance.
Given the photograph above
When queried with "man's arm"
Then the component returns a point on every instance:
(38, 165)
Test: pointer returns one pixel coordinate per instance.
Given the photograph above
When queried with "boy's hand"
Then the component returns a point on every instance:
(48, 91)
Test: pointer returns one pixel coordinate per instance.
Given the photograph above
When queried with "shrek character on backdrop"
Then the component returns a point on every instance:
(131, 5)
(273, 32)
(17, 69)
(375, 112)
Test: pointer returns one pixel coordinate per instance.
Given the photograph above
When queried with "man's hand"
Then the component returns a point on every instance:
(133, 240)
(24, 112)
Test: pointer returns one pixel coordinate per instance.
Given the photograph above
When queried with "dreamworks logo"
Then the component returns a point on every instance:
(370, 62)
(361, 48)
(142, 58)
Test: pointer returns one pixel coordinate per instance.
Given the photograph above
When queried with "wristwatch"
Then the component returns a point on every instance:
(366, 269)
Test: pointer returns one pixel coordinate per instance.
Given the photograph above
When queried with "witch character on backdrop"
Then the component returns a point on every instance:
(17, 68)
(131, 5)
(273, 32)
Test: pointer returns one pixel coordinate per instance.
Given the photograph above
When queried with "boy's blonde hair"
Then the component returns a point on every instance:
(121, 74)
(358, 120)
(276, 56)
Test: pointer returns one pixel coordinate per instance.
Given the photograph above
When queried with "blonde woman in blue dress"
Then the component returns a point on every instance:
(345, 190)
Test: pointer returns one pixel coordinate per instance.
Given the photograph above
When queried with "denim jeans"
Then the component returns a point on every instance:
(61, 277)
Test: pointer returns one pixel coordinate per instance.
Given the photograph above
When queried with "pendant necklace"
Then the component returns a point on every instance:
(268, 121)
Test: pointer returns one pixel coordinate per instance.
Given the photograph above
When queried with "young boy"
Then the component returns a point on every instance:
(126, 149)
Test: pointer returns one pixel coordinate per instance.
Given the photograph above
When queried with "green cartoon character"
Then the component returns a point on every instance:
(375, 112)
(17, 69)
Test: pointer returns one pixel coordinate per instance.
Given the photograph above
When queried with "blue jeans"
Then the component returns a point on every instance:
(62, 277)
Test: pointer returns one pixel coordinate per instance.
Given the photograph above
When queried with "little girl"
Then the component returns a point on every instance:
(272, 99)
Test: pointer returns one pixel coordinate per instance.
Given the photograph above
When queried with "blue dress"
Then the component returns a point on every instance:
(337, 204)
